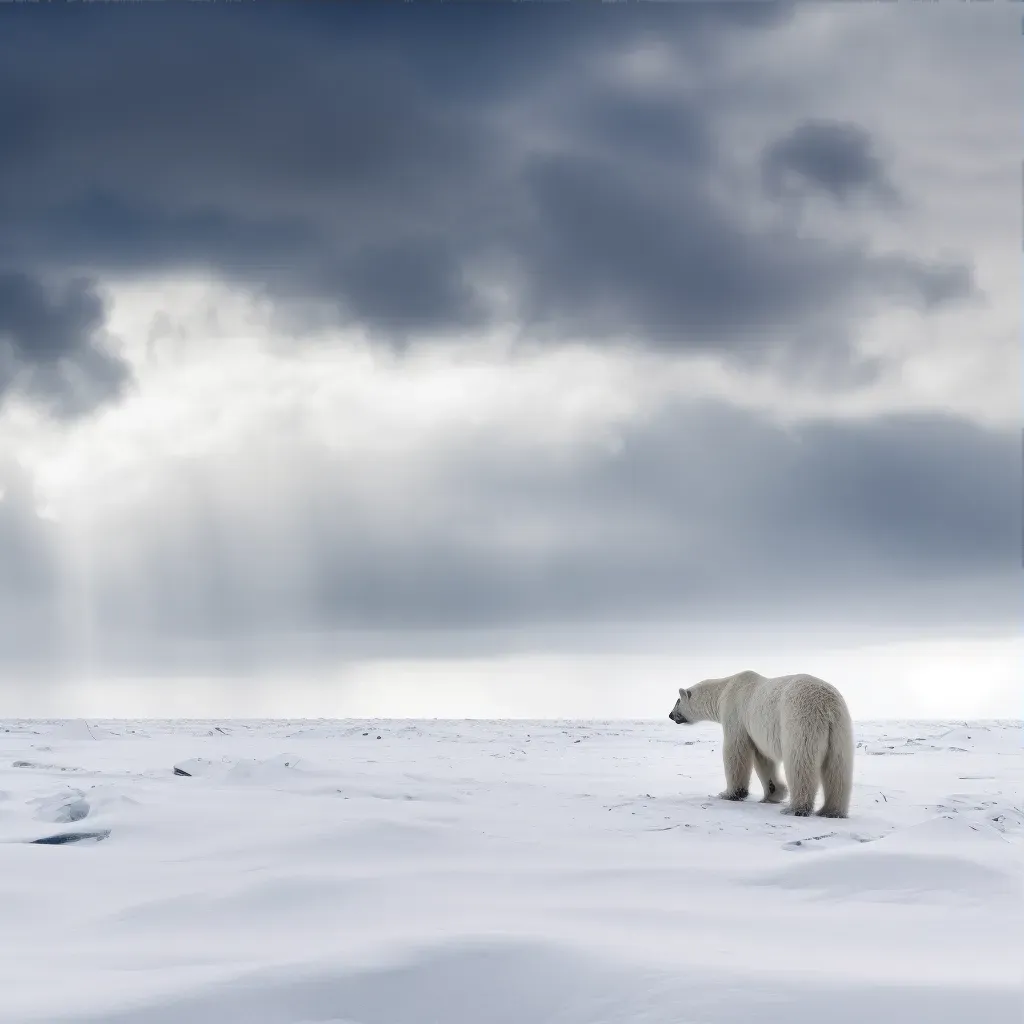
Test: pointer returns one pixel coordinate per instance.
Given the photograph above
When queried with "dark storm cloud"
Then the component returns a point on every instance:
(833, 158)
(704, 515)
(611, 252)
(392, 159)
(51, 346)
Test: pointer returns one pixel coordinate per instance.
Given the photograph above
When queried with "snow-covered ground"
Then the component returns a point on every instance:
(500, 873)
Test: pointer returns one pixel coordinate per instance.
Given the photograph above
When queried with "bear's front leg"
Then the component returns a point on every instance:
(738, 758)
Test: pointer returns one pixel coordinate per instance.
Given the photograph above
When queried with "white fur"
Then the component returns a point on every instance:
(799, 720)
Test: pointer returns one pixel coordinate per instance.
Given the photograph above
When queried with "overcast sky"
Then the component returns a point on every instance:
(516, 359)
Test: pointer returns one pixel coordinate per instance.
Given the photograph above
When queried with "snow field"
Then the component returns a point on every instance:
(475, 872)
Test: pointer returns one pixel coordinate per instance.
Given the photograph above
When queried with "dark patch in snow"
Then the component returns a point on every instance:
(63, 838)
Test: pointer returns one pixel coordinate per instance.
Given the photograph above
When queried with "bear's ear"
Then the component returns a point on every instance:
(684, 693)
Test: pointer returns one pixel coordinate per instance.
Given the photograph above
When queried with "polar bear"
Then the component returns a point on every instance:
(799, 720)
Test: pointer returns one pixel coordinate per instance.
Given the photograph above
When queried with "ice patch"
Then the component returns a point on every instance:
(247, 770)
(62, 808)
(73, 729)
(196, 767)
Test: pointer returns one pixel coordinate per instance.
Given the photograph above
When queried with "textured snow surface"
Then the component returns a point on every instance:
(246, 872)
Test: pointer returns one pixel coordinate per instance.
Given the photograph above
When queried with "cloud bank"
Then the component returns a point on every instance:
(568, 214)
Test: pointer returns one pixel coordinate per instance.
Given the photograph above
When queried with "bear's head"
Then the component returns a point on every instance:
(700, 703)
(682, 713)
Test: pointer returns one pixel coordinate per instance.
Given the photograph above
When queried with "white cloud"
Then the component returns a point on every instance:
(213, 378)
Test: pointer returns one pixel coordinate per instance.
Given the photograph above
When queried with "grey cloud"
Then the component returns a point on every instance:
(610, 251)
(931, 285)
(836, 159)
(703, 516)
(30, 572)
(646, 126)
(27, 542)
(51, 345)
(408, 284)
(371, 159)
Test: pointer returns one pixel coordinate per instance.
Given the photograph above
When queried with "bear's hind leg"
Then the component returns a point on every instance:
(802, 758)
(775, 790)
(836, 781)
(738, 757)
